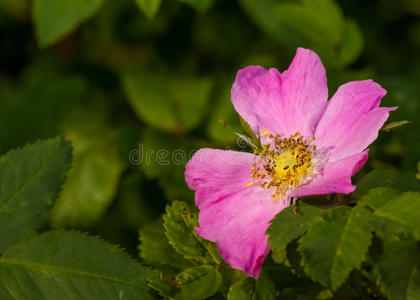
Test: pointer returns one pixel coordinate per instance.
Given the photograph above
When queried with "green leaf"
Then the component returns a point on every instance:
(155, 249)
(378, 197)
(94, 177)
(4, 293)
(55, 19)
(198, 282)
(16, 8)
(199, 5)
(398, 270)
(349, 49)
(192, 284)
(289, 225)
(149, 7)
(403, 209)
(321, 21)
(179, 224)
(67, 265)
(385, 178)
(263, 13)
(30, 179)
(317, 24)
(35, 103)
(250, 289)
(384, 227)
(325, 294)
(91, 184)
(170, 103)
(418, 169)
(335, 244)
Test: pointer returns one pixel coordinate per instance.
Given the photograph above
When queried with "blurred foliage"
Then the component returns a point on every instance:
(131, 82)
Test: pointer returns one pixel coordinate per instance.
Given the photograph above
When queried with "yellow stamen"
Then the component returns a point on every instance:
(249, 184)
(265, 131)
(283, 164)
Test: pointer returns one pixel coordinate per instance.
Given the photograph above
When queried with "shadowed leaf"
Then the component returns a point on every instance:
(253, 289)
(67, 265)
(347, 234)
(289, 225)
(398, 270)
(55, 19)
(30, 179)
(191, 284)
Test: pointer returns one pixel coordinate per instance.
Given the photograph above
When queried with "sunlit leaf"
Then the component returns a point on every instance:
(179, 224)
(378, 197)
(403, 209)
(383, 227)
(149, 7)
(385, 178)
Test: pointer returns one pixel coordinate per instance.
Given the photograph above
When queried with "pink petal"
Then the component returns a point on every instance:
(335, 177)
(283, 103)
(352, 119)
(232, 215)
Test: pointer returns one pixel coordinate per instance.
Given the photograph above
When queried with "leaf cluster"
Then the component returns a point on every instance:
(189, 267)
(54, 264)
(334, 245)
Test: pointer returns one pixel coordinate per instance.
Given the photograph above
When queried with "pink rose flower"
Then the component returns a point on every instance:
(311, 146)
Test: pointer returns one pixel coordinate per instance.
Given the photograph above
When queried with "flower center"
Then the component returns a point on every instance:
(283, 164)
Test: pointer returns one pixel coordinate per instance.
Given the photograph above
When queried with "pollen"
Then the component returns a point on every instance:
(265, 132)
(283, 164)
(249, 184)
